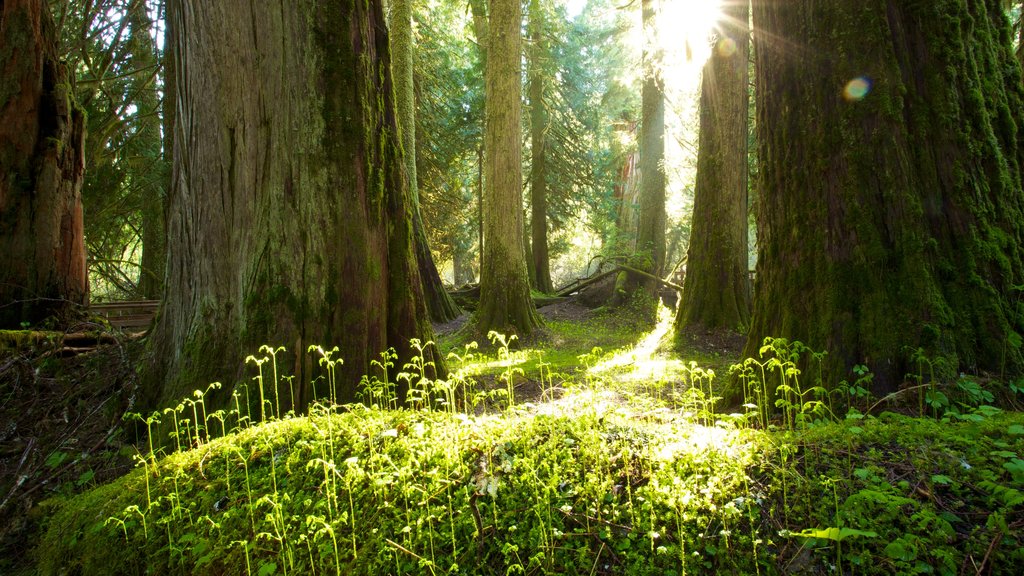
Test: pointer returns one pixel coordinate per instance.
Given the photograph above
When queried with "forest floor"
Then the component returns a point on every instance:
(592, 450)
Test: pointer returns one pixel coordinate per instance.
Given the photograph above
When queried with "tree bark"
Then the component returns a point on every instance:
(290, 221)
(42, 246)
(538, 152)
(439, 304)
(891, 211)
(717, 294)
(650, 242)
(148, 147)
(505, 303)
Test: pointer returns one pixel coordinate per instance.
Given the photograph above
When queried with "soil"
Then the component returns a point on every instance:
(61, 429)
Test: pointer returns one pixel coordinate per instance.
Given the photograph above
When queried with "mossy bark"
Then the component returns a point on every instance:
(290, 221)
(439, 303)
(42, 245)
(650, 240)
(716, 292)
(891, 213)
(505, 303)
(538, 151)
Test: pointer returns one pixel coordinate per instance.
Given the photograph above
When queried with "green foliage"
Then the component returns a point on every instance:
(564, 487)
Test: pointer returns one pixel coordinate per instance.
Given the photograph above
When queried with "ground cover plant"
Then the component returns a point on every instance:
(521, 465)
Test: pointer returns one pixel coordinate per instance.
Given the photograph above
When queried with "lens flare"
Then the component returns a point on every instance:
(857, 89)
(726, 47)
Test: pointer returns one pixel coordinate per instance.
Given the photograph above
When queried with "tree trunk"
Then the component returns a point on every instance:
(42, 246)
(650, 242)
(505, 303)
(439, 304)
(717, 289)
(148, 148)
(538, 161)
(891, 213)
(169, 108)
(290, 220)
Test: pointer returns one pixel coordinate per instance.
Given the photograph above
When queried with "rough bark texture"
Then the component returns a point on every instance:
(42, 247)
(290, 221)
(650, 241)
(439, 303)
(890, 219)
(538, 152)
(716, 292)
(505, 303)
(148, 146)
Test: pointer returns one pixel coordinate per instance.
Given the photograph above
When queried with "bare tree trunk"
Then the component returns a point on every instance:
(42, 246)
(440, 305)
(650, 242)
(290, 220)
(538, 162)
(717, 289)
(505, 302)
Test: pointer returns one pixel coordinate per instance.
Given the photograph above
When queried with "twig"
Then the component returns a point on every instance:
(988, 553)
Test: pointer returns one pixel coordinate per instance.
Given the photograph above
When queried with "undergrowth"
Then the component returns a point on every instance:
(593, 474)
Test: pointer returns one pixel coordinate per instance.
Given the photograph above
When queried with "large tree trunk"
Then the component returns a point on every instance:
(650, 241)
(147, 147)
(440, 305)
(290, 220)
(891, 212)
(505, 303)
(42, 246)
(716, 293)
(538, 152)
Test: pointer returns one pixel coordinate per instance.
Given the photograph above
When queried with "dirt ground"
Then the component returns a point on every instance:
(60, 430)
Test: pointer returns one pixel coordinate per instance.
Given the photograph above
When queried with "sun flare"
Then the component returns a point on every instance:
(684, 33)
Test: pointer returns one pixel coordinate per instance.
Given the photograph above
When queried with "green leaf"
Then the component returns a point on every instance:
(1016, 429)
(941, 479)
(898, 550)
(836, 534)
(84, 478)
(56, 459)
(268, 569)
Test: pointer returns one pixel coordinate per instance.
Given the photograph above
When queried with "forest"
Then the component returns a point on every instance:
(534, 287)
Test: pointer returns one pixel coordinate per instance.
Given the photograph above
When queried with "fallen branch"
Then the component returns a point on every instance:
(671, 285)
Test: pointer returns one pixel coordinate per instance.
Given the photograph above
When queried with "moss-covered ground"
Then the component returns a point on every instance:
(593, 461)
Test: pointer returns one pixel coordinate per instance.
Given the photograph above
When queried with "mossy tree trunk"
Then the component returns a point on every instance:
(716, 292)
(505, 303)
(538, 151)
(42, 246)
(439, 303)
(147, 145)
(890, 184)
(650, 240)
(290, 221)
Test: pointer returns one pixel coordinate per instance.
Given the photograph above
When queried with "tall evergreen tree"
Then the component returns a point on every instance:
(290, 221)
(538, 149)
(891, 210)
(505, 301)
(650, 241)
(42, 244)
(716, 292)
(439, 303)
(146, 149)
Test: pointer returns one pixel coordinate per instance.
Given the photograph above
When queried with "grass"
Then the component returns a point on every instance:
(568, 461)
